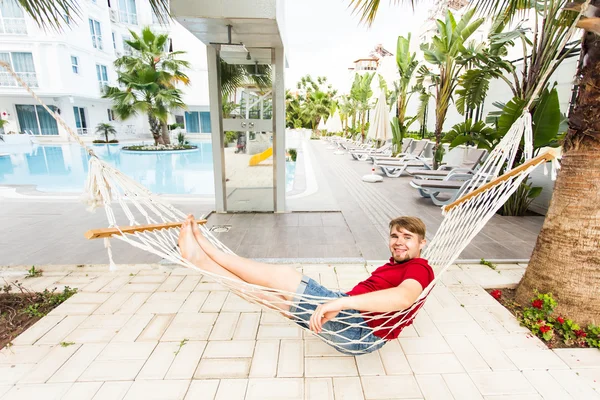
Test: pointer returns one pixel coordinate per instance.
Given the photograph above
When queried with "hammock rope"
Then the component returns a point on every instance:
(107, 187)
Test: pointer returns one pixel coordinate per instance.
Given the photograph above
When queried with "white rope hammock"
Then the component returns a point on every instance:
(109, 188)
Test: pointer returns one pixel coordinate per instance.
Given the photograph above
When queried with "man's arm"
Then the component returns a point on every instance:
(386, 300)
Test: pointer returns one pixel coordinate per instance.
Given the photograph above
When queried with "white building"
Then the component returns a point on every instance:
(69, 70)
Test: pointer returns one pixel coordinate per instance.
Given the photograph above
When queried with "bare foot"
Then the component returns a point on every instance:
(202, 240)
(189, 247)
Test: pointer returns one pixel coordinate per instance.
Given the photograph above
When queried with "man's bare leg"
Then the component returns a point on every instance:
(279, 277)
(191, 251)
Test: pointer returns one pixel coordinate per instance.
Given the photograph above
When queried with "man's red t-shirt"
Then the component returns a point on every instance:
(389, 276)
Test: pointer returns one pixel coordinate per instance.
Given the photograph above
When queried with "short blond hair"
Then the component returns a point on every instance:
(412, 224)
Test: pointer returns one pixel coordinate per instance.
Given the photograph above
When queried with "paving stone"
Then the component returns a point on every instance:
(291, 359)
(61, 330)
(234, 303)
(390, 387)
(393, 359)
(519, 341)
(188, 284)
(130, 287)
(72, 309)
(462, 387)
(434, 363)
(155, 328)
(535, 359)
(23, 354)
(330, 366)
(590, 376)
(502, 383)
(133, 328)
(222, 368)
(232, 389)
(39, 329)
(515, 397)
(115, 285)
(112, 391)
(158, 390)
(186, 361)
(133, 303)
(158, 363)
(264, 362)
(247, 326)
(98, 328)
(434, 387)
(97, 283)
(171, 284)
(115, 370)
(486, 320)
(424, 345)
(74, 367)
(4, 389)
(491, 352)
(319, 388)
(275, 389)
(163, 303)
(224, 326)
(579, 358)
(574, 385)
(127, 351)
(466, 353)
(370, 364)
(281, 331)
(82, 391)
(202, 389)
(194, 302)
(229, 349)
(189, 326)
(546, 385)
(51, 391)
(424, 325)
(347, 388)
(10, 374)
(50, 364)
(318, 348)
(111, 305)
(214, 302)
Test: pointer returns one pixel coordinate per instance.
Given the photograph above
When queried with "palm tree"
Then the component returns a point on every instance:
(361, 93)
(447, 53)
(150, 77)
(564, 260)
(105, 129)
(234, 76)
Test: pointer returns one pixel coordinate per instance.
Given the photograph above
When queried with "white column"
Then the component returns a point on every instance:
(279, 128)
(218, 153)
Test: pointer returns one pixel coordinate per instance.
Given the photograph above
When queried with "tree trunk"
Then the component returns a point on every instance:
(566, 260)
(165, 133)
(155, 130)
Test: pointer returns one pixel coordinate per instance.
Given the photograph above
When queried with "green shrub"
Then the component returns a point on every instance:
(175, 126)
(99, 141)
(293, 154)
(230, 137)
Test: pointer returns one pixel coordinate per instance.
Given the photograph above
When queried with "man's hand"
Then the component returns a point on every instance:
(325, 312)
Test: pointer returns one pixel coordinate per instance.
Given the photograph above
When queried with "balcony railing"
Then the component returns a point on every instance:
(103, 86)
(114, 15)
(82, 131)
(97, 41)
(30, 78)
(13, 26)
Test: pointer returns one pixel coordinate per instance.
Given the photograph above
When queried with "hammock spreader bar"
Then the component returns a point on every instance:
(109, 232)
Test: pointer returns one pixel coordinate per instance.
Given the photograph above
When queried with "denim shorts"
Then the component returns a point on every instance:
(342, 340)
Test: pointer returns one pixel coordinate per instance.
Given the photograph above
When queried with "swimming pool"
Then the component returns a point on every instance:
(63, 168)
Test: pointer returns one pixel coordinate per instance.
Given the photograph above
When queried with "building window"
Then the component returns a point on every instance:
(12, 20)
(80, 120)
(197, 122)
(96, 33)
(102, 76)
(114, 38)
(35, 120)
(75, 64)
(22, 64)
(127, 12)
(111, 115)
(127, 49)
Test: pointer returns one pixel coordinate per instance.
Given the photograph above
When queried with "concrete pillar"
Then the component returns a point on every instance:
(217, 134)
(278, 56)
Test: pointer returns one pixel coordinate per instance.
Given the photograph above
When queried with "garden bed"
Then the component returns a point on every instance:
(21, 308)
(554, 330)
(160, 147)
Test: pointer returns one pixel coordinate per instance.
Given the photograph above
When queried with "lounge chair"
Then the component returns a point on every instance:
(418, 149)
(468, 166)
(395, 168)
(451, 188)
(365, 154)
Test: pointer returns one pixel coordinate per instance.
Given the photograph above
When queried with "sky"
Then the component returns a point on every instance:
(323, 37)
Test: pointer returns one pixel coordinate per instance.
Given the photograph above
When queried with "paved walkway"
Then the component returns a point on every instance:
(154, 332)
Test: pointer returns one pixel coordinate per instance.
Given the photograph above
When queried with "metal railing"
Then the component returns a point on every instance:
(97, 41)
(82, 131)
(13, 26)
(6, 79)
(128, 18)
(103, 86)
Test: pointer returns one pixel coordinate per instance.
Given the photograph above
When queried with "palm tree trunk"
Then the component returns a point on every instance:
(565, 260)
(155, 130)
(165, 133)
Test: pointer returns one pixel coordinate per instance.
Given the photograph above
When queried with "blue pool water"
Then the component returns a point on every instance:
(63, 168)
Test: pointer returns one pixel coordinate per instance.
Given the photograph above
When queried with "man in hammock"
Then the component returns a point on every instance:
(392, 287)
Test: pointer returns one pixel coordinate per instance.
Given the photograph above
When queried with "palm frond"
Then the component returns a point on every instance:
(53, 14)
(367, 9)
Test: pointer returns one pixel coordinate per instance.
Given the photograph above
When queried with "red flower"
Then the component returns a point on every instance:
(496, 294)
(537, 303)
(560, 320)
(580, 333)
(539, 321)
(545, 328)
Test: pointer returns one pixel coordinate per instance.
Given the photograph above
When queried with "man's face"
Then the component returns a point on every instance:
(405, 245)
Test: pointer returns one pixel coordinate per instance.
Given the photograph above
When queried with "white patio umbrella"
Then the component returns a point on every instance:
(334, 124)
(380, 128)
(321, 125)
